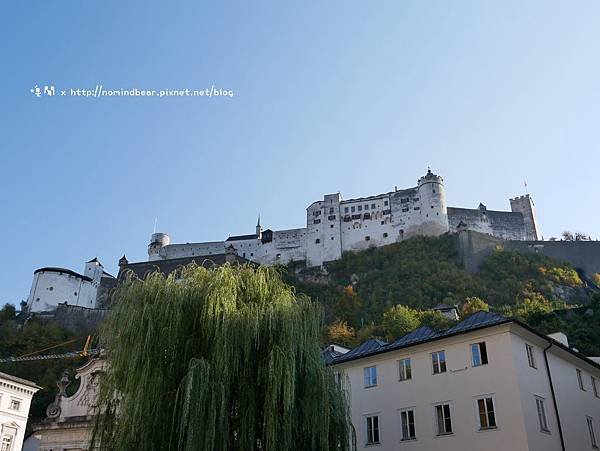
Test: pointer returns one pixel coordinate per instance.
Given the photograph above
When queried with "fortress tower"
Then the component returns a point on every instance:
(434, 210)
(157, 241)
(524, 205)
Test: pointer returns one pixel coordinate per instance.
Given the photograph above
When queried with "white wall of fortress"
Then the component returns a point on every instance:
(50, 288)
(335, 226)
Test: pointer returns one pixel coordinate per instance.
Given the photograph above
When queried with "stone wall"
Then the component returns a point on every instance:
(474, 247)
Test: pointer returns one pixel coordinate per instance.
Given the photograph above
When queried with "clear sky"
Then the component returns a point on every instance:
(329, 96)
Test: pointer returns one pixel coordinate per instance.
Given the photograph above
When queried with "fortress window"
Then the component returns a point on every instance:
(331, 238)
(416, 199)
(417, 208)
(382, 222)
(331, 217)
(367, 238)
(367, 207)
(372, 206)
(317, 221)
(356, 216)
(385, 203)
(50, 288)
(360, 208)
(433, 190)
(345, 209)
(405, 209)
(317, 241)
(75, 294)
(385, 235)
(331, 226)
(352, 209)
(330, 210)
(387, 212)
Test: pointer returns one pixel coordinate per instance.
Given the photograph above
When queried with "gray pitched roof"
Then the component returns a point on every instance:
(421, 335)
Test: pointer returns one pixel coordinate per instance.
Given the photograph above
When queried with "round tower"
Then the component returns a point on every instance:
(158, 241)
(434, 210)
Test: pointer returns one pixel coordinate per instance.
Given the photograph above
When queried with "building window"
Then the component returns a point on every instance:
(417, 208)
(6, 444)
(479, 354)
(530, 356)
(370, 376)
(331, 217)
(372, 430)
(385, 203)
(372, 206)
(580, 379)
(15, 404)
(444, 420)
(360, 208)
(316, 221)
(331, 210)
(438, 362)
(595, 387)
(541, 411)
(317, 241)
(366, 207)
(331, 238)
(352, 209)
(345, 209)
(405, 369)
(367, 238)
(407, 424)
(590, 424)
(487, 414)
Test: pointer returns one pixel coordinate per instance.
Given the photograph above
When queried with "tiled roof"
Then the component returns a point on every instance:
(422, 334)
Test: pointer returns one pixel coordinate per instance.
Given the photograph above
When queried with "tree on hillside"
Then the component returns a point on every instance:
(340, 332)
(217, 359)
(472, 305)
(400, 320)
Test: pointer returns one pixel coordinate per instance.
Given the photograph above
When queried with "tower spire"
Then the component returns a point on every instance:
(258, 228)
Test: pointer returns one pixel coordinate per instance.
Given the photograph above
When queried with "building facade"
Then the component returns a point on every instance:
(70, 419)
(52, 286)
(488, 383)
(15, 400)
(335, 225)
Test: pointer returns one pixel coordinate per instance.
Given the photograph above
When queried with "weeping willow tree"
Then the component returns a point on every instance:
(217, 359)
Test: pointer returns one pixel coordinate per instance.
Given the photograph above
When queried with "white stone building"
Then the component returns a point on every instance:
(334, 225)
(70, 419)
(52, 286)
(488, 383)
(15, 400)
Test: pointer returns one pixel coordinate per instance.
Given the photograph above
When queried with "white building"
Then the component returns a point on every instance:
(52, 286)
(70, 419)
(488, 383)
(15, 400)
(334, 225)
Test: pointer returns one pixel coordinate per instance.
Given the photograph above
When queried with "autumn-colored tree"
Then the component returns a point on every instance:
(472, 305)
(340, 332)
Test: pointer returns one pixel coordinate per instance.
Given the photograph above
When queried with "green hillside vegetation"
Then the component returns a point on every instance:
(362, 290)
(32, 337)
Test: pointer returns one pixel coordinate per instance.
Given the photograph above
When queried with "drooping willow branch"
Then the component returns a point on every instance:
(217, 359)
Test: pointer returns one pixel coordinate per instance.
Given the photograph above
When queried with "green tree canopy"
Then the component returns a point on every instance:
(217, 359)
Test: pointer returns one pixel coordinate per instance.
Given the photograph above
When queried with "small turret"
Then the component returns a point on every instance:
(433, 208)
(158, 241)
(525, 206)
(123, 262)
(258, 228)
(94, 269)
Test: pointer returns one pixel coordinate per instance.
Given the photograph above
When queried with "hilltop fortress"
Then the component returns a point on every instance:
(334, 226)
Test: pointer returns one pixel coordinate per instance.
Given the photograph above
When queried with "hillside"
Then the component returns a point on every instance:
(422, 272)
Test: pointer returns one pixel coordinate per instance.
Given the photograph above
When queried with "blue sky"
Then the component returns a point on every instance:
(330, 96)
